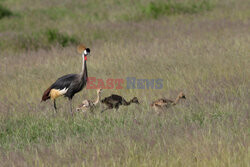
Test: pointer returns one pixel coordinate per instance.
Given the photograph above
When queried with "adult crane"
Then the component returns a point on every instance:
(69, 85)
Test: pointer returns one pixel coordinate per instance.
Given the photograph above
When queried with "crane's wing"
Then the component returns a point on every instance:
(61, 83)
(64, 81)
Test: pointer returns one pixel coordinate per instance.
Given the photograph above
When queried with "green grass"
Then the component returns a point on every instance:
(43, 39)
(156, 9)
(4, 12)
(42, 26)
(201, 50)
(54, 36)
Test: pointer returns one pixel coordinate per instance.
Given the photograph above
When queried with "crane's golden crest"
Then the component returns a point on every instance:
(80, 48)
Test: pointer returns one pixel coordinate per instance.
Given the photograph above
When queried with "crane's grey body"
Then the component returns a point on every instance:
(73, 82)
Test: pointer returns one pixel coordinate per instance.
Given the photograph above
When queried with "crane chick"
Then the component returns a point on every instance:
(88, 104)
(114, 101)
(164, 103)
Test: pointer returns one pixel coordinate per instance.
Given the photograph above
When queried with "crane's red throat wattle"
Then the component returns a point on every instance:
(85, 58)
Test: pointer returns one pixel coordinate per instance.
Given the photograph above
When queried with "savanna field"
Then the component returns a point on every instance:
(199, 47)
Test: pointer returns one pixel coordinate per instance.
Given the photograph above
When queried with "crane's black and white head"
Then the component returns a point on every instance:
(83, 51)
(86, 51)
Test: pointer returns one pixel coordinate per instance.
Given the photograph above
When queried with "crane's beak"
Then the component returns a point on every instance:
(87, 54)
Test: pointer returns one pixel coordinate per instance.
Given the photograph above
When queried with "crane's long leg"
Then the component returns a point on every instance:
(70, 103)
(55, 105)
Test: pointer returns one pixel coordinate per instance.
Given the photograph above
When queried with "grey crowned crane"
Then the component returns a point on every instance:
(69, 85)
(164, 103)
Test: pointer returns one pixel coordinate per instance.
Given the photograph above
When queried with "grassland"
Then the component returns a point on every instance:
(198, 47)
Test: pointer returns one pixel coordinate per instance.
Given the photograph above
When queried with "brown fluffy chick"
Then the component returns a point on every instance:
(164, 103)
(115, 101)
